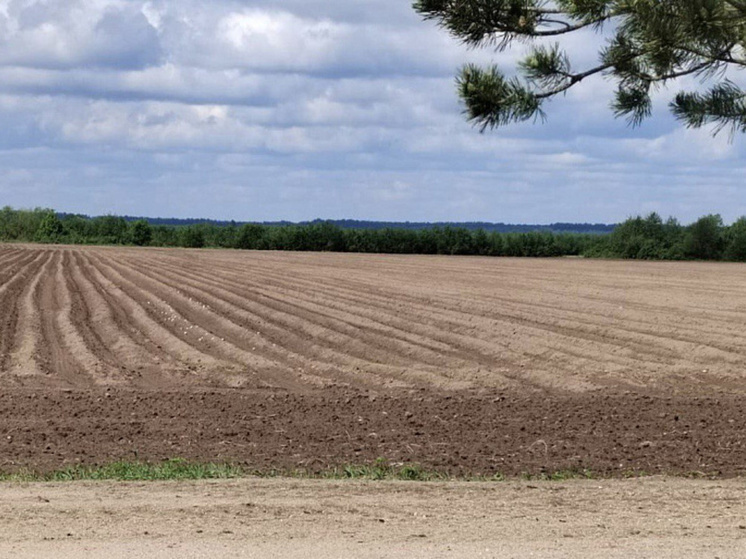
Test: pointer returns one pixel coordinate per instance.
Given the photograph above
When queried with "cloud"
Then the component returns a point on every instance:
(66, 34)
(309, 108)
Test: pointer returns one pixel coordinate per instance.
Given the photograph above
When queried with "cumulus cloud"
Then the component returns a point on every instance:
(311, 108)
(75, 33)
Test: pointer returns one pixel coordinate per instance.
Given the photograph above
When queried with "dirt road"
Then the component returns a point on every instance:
(649, 518)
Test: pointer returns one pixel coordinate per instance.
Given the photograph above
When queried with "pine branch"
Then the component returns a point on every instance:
(653, 42)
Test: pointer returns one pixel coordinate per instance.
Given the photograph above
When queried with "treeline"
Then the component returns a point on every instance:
(44, 225)
(598, 228)
(648, 238)
(651, 238)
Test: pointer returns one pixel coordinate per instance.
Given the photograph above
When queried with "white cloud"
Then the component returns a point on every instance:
(70, 33)
(313, 108)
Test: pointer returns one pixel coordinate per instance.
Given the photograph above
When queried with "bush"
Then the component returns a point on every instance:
(50, 229)
(140, 233)
(704, 239)
(192, 237)
(736, 247)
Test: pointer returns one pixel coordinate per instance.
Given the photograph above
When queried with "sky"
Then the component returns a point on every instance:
(304, 109)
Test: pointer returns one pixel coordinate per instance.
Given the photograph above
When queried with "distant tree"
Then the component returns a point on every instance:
(7, 221)
(455, 240)
(77, 228)
(164, 236)
(141, 233)
(325, 236)
(191, 237)
(223, 236)
(110, 229)
(649, 43)
(50, 229)
(736, 248)
(250, 236)
(704, 239)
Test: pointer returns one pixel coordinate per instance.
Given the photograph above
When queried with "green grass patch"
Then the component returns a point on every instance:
(178, 469)
(561, 475)
(175, 469)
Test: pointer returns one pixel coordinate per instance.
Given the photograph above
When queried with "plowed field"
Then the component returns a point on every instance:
(309, 360)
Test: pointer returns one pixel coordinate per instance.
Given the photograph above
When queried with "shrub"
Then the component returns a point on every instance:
(50, 229)
(736, 247)
(141, 233)
(704, 240)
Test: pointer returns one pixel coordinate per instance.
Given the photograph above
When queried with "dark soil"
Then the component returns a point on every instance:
(462, 433)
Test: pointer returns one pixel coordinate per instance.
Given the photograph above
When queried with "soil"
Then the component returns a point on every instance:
(289, 360)
(289, 519)
(609, 434)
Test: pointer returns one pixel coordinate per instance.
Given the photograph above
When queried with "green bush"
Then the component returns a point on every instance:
(704, 239)
(140, 233)
(50, 229)
(191, 237)
(736, 241)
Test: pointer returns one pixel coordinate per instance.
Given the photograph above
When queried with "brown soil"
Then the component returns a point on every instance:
(652, 518)
(470, 365)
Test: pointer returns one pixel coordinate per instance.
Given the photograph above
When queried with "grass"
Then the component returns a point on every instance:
(175, 469)
(181, 470)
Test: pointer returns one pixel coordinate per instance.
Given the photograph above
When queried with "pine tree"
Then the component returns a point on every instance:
(648, 43)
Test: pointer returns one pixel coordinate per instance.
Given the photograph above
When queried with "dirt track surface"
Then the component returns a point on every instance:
(470, 365)
(651, 518)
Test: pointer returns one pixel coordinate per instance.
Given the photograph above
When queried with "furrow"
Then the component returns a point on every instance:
(23, 362)
(235, 324)
(293, 331)
(158, 320)
(506, 356)
(10, 298)
(585, 324)
(570, 336)
(83, 367)
(421, 317)
(317, 361)
(11, 270)
(111, 330)
(369, 335)
(646, 346)
(445, 368)
(9, 258)
(206, 329)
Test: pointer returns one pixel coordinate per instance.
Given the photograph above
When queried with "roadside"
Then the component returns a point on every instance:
(651, 517)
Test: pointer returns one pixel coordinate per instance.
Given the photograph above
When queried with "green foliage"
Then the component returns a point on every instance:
(192, 236)
(647, 238)
(650, 238)
(649, 43)
(736, 241)
(723, 105)
(21, 225)
(704, 239)
(250, 236)
(110, 230)
(50, 229)
(493, 100)
(140, 233)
